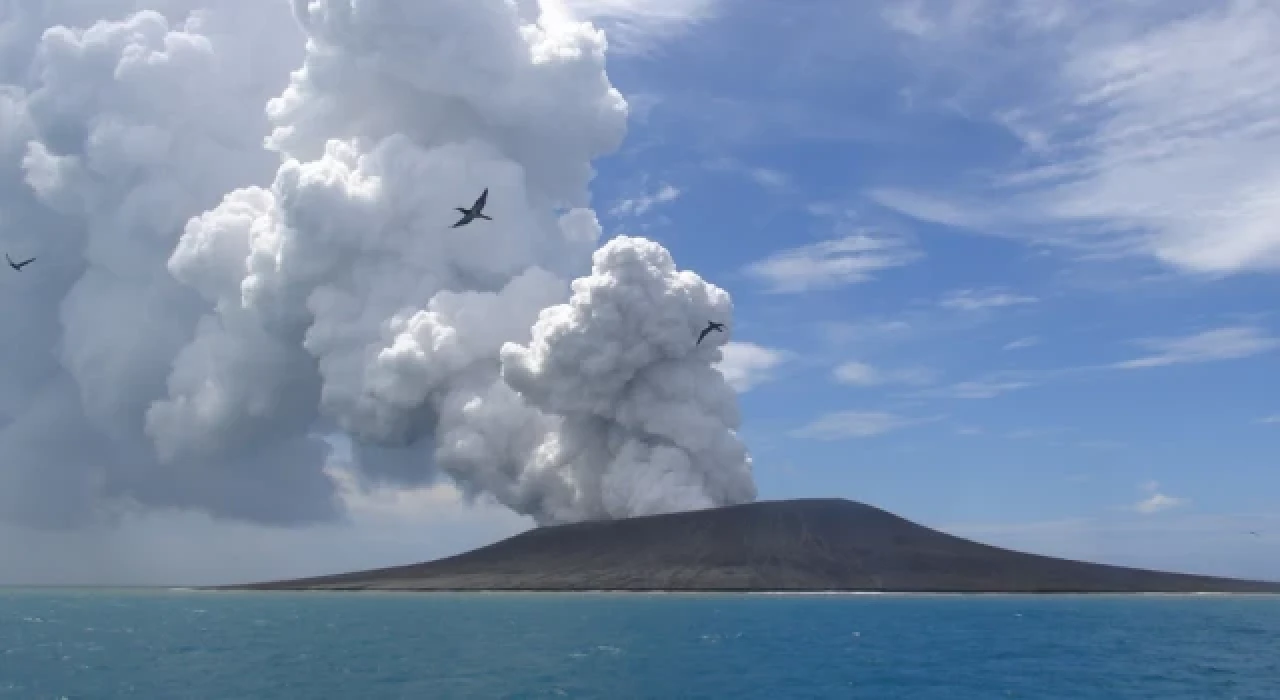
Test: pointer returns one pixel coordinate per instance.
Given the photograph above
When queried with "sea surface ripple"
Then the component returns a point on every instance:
(186, 644)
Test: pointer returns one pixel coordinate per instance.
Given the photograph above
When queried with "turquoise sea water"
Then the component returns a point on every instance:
(170, 645)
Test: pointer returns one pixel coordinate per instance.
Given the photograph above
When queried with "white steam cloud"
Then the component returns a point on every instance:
(234, 259)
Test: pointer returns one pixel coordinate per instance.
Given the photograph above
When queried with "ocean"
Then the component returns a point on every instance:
(169, 645)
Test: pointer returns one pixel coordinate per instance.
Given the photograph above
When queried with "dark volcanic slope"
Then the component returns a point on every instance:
(802, 545)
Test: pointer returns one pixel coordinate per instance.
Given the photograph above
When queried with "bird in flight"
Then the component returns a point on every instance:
(1254, 533)
(711, 326)
(17, 265)
(469, 215)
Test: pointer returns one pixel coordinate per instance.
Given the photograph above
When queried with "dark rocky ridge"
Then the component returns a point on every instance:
(800, 545)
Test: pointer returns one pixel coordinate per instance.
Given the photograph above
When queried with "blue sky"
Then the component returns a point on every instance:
(1004, 271)
(1007, 268)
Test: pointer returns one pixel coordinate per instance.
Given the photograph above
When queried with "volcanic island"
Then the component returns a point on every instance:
(804, 545)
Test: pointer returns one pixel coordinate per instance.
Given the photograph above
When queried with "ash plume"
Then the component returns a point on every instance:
(245, 212)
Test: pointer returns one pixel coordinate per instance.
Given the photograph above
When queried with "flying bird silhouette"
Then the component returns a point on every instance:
(469, 215)
(19, 265)
(711, 326)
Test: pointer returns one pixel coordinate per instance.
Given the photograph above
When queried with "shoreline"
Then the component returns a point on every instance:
(624, 591)
(236, 588)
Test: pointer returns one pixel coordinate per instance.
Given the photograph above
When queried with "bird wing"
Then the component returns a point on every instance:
(464, 220)
(484, 197)
(24, 262)
(702, 335)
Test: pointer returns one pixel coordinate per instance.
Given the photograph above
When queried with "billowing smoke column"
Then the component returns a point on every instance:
(186, 341)
(645, 423)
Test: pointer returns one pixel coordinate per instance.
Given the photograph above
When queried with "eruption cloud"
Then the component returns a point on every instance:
(220, 284)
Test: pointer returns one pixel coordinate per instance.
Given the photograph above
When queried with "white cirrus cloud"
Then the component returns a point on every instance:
(1148, 128)
(767, 178)
(1228, 343)
(846, 425)
(1022, 343)
(982, 299)
(838, 262)
(862, 374)
(985, 390)
(637, 206)
(988, 388)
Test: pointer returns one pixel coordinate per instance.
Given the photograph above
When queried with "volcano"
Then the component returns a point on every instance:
(795, 545)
